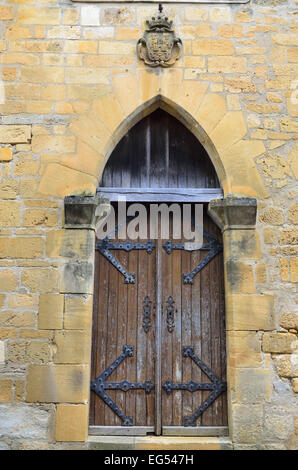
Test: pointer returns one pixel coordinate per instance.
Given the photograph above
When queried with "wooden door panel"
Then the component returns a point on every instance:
(118, 321)
(198, 322)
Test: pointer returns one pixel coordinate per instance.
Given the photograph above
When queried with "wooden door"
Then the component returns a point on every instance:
(158, 354)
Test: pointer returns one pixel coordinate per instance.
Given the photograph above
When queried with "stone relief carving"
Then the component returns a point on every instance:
(159, 47)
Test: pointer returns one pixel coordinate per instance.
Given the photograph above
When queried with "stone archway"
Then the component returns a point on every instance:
(222, 132)
(224, 135)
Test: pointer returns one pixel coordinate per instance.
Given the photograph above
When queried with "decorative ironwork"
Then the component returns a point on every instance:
(159, 46)
(216, 386)
(170, 313)
(213, 246)
(147, 314)
(105, 245)
(99, 385)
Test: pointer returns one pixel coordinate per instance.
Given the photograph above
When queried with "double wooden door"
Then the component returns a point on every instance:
(158, 350)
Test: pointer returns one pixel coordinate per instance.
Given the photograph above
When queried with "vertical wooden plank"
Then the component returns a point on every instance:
(177, 346)
(141, 411)
(111, 343)
(196, 331)
(121, 371)
(132, 303)
(150, 365)
(158, 339)
(186, 333)
(167, 340)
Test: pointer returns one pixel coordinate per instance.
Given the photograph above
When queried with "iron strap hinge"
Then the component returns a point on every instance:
(216, 386)
(99, 385)
(213, 247)
(105, 245)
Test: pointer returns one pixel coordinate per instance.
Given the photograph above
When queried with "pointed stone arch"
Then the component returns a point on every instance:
(223, 133)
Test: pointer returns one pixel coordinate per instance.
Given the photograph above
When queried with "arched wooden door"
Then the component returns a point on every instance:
(158, 350)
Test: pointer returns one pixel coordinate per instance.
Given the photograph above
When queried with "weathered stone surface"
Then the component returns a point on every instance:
(287, 365)
(247, 423)
(282, 343)
(244, 349)
(233, 212)
(23, 421)
(41, 279)
(289, 320)
(50, 315)
(80, 210)
(73, 347)
(71, 423)
(77, 278)
(13, 134)
(250, 312)
(251, 385)
(57, 383)
(73, 244)
(21, 247)
(240, 277)
(78, 312)
(272, 216)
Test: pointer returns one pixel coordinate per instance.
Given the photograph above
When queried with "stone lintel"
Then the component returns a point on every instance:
(234, 213)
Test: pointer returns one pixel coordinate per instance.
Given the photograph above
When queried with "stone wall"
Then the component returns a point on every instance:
(71, 87)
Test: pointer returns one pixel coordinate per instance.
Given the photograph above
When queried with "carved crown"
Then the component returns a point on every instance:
(161, 22)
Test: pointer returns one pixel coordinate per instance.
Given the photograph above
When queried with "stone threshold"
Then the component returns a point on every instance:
(158, 443)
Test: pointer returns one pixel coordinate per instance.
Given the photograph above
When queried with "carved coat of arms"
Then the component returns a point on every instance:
(159, 46)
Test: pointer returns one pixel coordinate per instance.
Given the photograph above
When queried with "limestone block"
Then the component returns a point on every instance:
(250, 312)
(5, 154)
(251, 385)
(71, 423)
(240, 277)
(74, 244)
(294, 269)
(8, 188)
(242, 244)
(41, 74)
(244, 349)
(227, 64)
(287, 365)
(5, 390)
(41, 280)
(33, 217)
(21, 247)
(281, 343)
(10, 318)
(73, 347)
(50, 316)
(24, 421)
(6, 13)
(59, 383)
(2, 352)
(60, 144)
(293, 214)
(15, 134)
(272, 216)
(247, 423)
(87, 75)
(77, 278)
(78, 312)
(31, 15)
(8, 280)
(218, 47)
(59, 180)
(289, 320)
